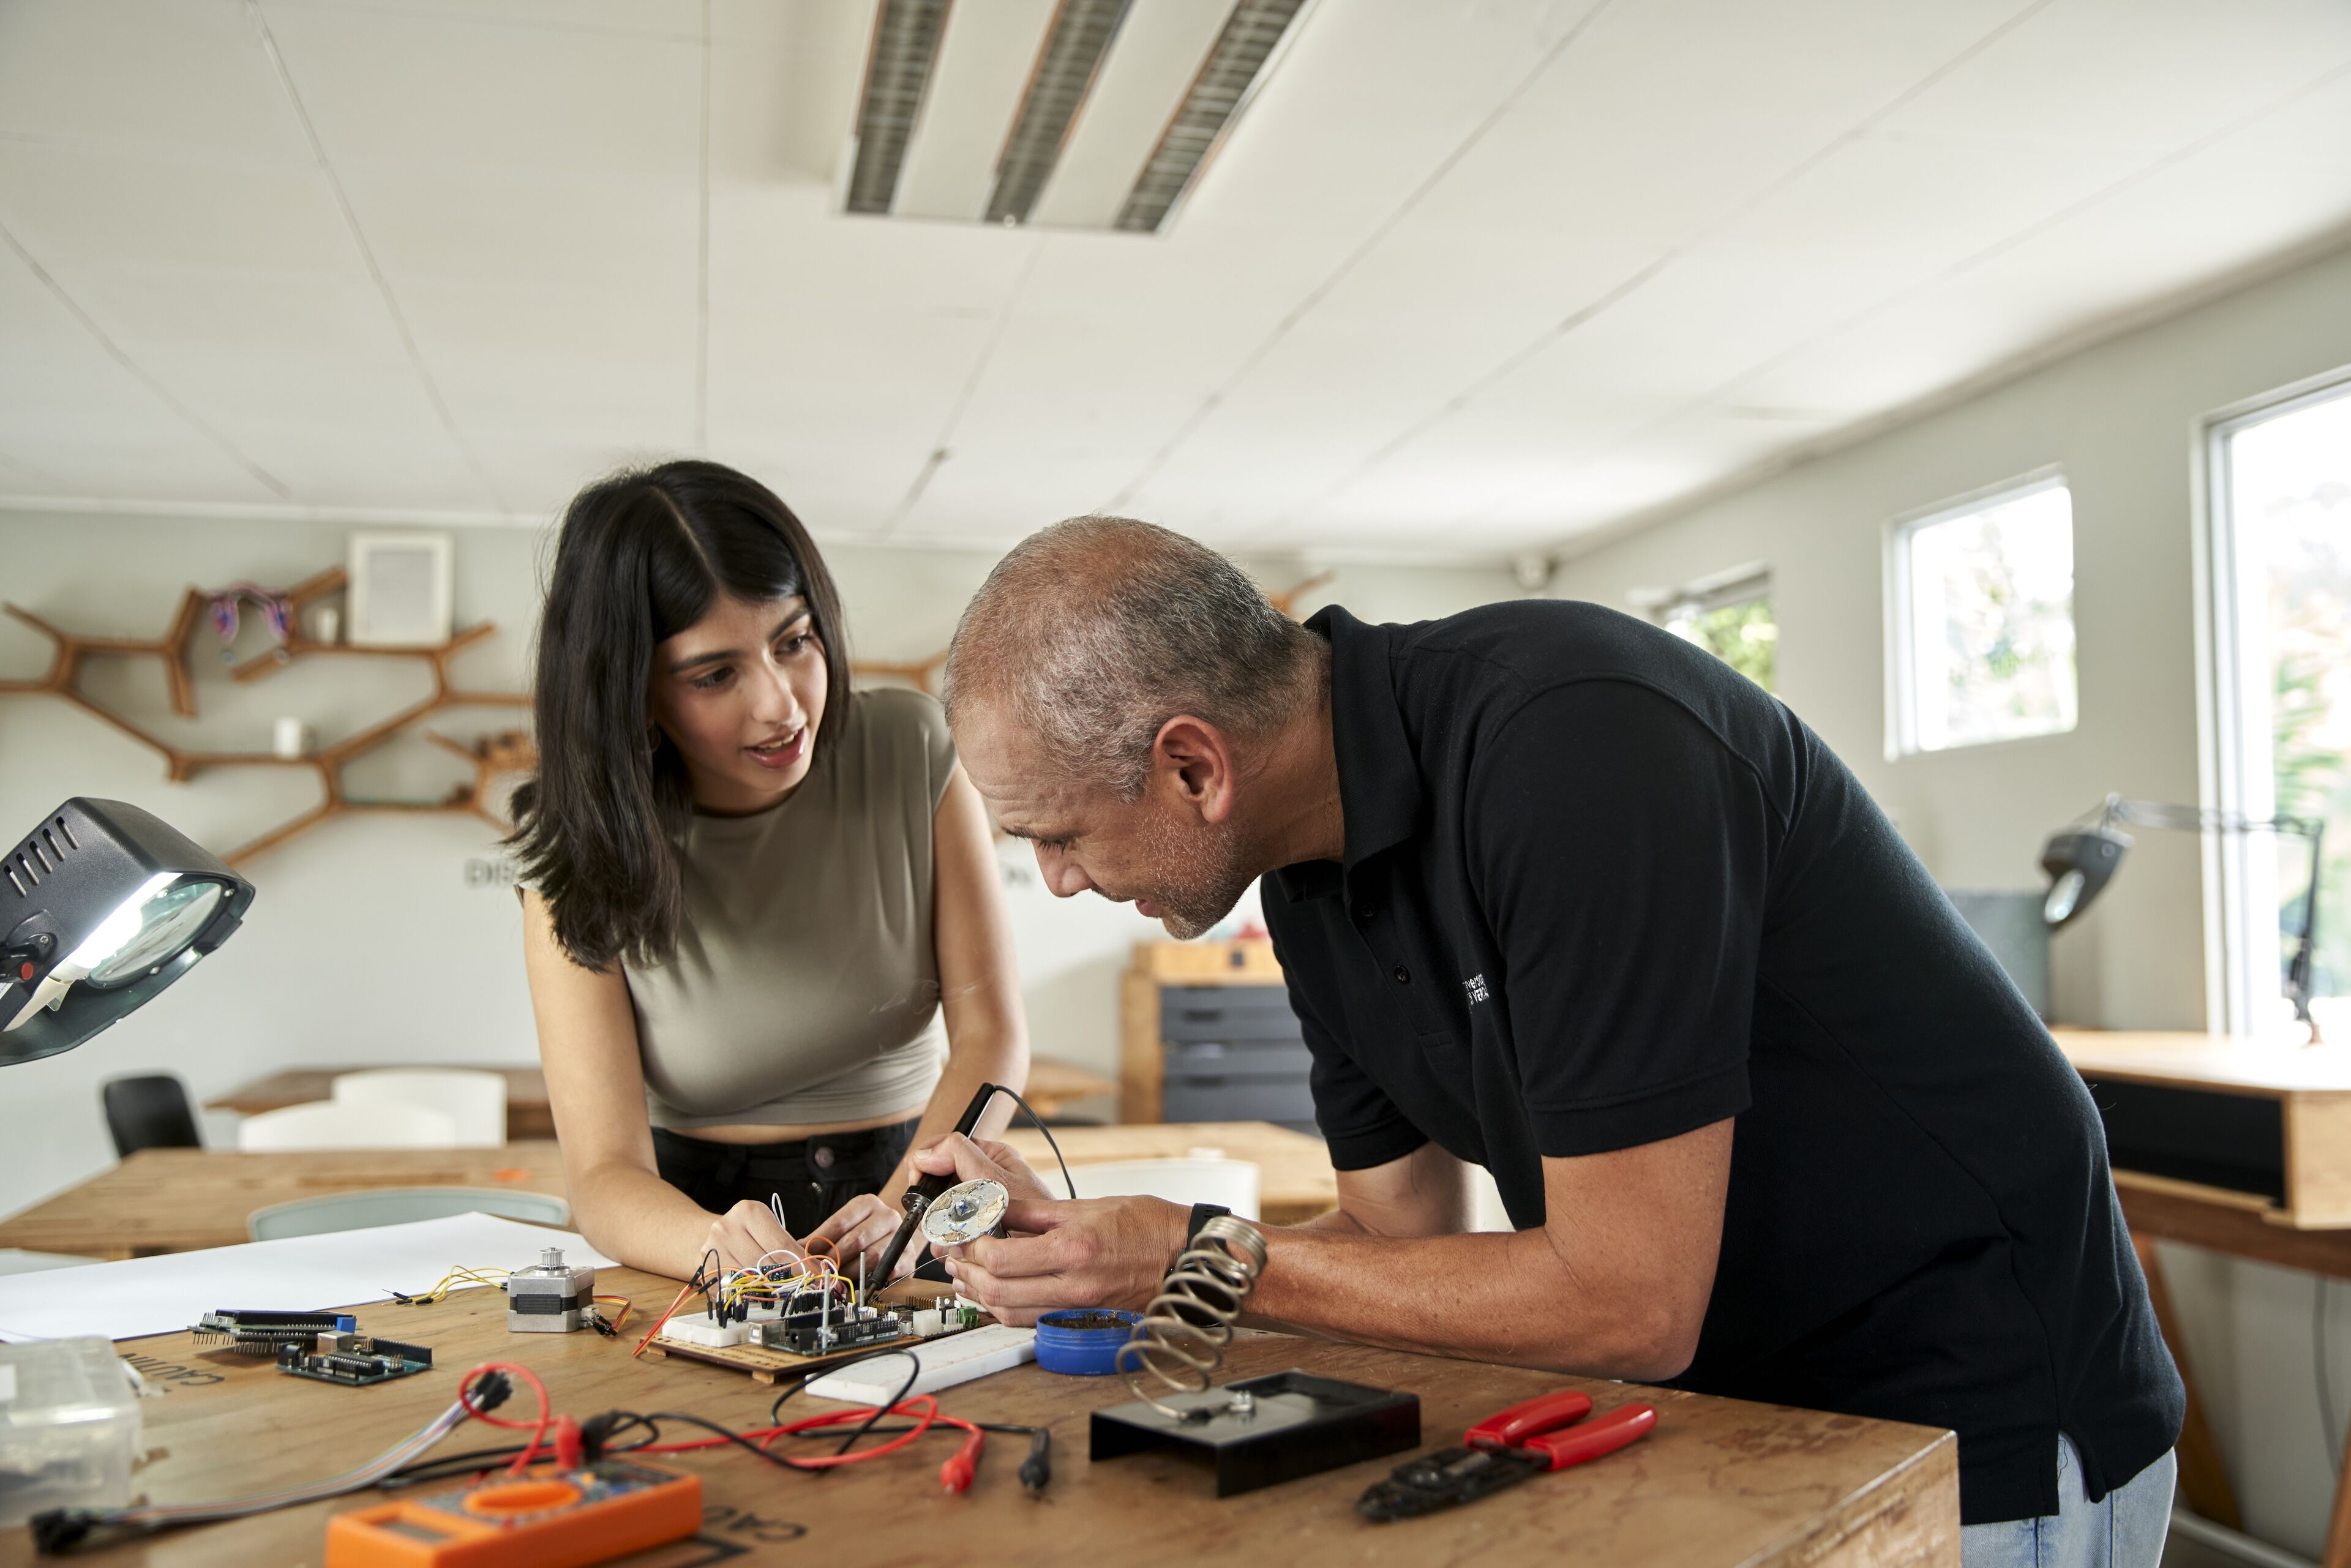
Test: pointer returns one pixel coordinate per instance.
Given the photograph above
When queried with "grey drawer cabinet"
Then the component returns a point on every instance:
(1209, 1037)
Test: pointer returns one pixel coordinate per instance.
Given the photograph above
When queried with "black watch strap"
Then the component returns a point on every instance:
(1201, 1213)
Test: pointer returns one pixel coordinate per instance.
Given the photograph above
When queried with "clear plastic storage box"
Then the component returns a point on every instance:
(68, 1428)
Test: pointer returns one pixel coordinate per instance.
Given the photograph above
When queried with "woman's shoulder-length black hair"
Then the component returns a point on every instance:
(642, 556)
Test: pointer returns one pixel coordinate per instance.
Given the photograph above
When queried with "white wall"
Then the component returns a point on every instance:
(369, 941)
(2120, 418)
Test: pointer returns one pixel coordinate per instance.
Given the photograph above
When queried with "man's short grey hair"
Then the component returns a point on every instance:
(1095, 632)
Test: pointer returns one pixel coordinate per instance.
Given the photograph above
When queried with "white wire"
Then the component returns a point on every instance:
(367, 1475)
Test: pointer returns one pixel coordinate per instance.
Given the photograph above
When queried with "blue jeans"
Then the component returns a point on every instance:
(2124, 1530)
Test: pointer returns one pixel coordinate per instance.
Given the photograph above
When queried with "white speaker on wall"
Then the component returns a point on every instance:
(402, 590)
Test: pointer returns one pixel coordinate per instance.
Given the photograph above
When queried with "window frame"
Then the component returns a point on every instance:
(2232, 707)
(1901, 695)
(1740, 585)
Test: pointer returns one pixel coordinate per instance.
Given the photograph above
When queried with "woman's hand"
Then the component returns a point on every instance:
(744, 1234)
(862, 1226)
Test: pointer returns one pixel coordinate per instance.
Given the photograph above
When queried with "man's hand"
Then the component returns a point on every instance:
(1095, 1252)
(744, 1234)
(865, 1224)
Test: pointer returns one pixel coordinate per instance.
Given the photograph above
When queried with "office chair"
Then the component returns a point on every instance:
(149, 1111)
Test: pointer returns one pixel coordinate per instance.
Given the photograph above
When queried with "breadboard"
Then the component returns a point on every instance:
(768, 1366)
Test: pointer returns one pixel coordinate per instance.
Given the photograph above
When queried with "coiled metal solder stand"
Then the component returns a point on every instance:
(1182, 1337)
(1258, 1430)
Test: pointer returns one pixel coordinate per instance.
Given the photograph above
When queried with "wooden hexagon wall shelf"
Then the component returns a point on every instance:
(492, 757)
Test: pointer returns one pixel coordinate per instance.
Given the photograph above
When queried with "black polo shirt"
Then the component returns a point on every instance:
(1599, 890)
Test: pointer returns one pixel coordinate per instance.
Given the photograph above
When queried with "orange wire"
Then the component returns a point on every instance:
(667, 1313)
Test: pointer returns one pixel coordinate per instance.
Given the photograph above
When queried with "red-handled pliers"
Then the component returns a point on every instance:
(1504, 1449)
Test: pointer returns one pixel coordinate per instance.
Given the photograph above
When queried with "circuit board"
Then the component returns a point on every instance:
(248, 1333)
(353, 1360)
(766, 1364)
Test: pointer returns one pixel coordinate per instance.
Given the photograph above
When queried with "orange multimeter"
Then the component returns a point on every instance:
(545, 1518)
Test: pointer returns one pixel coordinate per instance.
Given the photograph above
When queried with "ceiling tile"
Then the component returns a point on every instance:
(168, 75)
(1470, 274)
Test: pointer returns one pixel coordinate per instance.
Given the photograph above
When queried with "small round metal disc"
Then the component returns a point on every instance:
(966, 1213)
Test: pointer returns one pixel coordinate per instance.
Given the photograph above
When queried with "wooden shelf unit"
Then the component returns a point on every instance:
(2251, 1124)
(1142, 1045)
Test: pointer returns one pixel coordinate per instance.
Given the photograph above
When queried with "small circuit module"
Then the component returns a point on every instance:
(249, 1332)
(353, 1360)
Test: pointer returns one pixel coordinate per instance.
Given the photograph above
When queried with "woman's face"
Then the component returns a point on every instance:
(740, 694)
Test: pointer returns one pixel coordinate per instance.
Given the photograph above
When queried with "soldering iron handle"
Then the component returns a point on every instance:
(932, 1185)
(919, 1195)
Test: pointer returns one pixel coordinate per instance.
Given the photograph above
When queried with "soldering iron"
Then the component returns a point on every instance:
(920, 1193)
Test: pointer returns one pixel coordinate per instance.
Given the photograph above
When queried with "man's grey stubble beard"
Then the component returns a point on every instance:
(1211, 881)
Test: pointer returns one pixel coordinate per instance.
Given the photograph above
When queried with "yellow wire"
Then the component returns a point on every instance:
(449, 1282)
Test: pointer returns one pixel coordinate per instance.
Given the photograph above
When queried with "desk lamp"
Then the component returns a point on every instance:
(2081, 859)
(102, 906)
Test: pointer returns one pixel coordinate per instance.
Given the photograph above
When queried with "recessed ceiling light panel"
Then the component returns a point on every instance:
(1073, 52)
(1093, 114)
(897, 73)
(1218, 94)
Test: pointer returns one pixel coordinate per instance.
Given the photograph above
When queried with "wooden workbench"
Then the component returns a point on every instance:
(175, 1200)
(1052, 1087)
(1721, 1482)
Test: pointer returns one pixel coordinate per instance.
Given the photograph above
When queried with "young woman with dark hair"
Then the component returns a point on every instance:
(767, 946)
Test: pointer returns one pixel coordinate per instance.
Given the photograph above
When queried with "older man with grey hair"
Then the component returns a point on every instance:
(1560, 895)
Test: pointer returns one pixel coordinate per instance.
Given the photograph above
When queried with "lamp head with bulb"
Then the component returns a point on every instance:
(2080, 862)
(101, 906)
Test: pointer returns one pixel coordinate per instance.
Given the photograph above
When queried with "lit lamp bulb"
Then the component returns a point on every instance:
(129, 901)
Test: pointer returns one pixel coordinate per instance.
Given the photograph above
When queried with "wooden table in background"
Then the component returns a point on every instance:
(176, 1200)
(2310, 1229)
(1721, 1482)
(1052, 1087)
(526, 1112)
(1295, 1181)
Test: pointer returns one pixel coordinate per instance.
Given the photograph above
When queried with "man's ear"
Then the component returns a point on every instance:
(1191, 757)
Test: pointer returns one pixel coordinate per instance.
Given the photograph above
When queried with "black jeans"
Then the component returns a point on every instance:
(812, 1178)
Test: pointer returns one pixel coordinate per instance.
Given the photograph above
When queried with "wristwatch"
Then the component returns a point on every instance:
(1201, 1213)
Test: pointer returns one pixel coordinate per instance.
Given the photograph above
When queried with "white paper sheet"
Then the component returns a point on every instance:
(300, 1273)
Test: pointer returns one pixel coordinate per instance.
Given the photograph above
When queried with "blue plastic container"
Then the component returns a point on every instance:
(1083, 1352)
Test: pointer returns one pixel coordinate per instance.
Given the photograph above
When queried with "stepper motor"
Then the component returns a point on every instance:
(550, 1297)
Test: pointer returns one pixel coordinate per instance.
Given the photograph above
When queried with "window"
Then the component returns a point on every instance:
(1728, 614)
(2281, 615)
(1982, 621)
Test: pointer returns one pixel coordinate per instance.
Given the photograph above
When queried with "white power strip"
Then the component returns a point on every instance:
(956, 1358)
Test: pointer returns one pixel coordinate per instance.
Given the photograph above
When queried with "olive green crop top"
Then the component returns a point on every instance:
(805, 986)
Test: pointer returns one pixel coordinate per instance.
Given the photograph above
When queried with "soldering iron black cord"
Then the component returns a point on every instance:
(1038, 1123)
(914, 1370)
